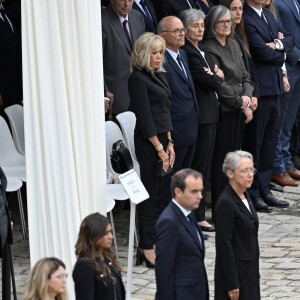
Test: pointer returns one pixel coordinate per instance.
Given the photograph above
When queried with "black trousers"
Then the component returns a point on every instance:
(148, 210)
(260, 139)
(227, 140)
(6, 295)
(202, 161)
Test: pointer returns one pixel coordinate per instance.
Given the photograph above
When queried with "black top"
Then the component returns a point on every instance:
(150, 101)
(89, 284)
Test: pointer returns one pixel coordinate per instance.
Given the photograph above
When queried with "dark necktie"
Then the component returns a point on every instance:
(127, 34)
(194, 228)
(147, 13)
(180, 64)
(5, 19)
(265, 20)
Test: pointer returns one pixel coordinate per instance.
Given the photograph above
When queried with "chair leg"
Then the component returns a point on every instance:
(23, 222)
(114, 233)
(136, 237)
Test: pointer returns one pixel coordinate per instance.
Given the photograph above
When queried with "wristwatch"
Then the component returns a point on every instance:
(170, 141)
(159, 147)
(277, 45)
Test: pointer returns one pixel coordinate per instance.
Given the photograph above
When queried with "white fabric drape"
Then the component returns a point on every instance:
(64, 122)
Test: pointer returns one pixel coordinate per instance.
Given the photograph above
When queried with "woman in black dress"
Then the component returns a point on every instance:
(97, 273)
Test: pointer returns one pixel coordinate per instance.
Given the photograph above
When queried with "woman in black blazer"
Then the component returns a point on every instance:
(150, 101)
(234, 92)
(237, 251)
(207, 78)
(97, 273)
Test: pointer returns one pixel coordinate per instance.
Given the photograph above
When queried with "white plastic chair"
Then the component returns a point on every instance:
(110, 204)
(127, 122)
(12, 162)
(16, 119)
(14, 185)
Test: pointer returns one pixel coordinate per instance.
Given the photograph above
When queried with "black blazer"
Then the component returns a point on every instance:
(89, 286)
(152, 12)
(175, 7)
(205, 85)
(179, 265)
(237, 250)
(204, 7)
(184, 109)
(150, 101)
(5, 227)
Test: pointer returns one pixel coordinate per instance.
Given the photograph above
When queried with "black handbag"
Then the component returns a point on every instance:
(159, 170)
(121, 160)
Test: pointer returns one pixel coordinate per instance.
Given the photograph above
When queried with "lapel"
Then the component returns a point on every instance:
(152, 11)
(175, 66)
(183, 220)
(134, 26)
(115, 21)
(291, 5)
(161, 80)
(270, 19)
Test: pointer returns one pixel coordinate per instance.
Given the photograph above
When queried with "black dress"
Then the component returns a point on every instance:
(90, 286)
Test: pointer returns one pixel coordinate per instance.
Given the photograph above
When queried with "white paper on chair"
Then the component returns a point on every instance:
(134, 186)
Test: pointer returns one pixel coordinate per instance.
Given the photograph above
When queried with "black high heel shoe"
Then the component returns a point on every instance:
(140, 257)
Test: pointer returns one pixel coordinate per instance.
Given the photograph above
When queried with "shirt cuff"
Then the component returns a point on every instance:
(281, 47)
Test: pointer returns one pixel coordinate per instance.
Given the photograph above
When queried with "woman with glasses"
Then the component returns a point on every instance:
(234, 92)
(237, 250)
(207, 78)
(97, 273)
(47, 280)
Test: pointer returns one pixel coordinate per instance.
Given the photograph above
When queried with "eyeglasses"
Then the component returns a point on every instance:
(247, 171)
(223, 22)
(177, 31)
(62, 276)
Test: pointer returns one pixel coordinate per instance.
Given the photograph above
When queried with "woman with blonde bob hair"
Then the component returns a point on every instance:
(150, 101)
(47, 280)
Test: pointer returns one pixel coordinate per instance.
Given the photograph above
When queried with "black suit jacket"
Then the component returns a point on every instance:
(179, 266)
(237, 250)
(10, 65)
(268, 62)
(148, 27)
(5, 227)
(184, 109)
(150, 101)
(117, 54)
(205, 85)
(175, 7)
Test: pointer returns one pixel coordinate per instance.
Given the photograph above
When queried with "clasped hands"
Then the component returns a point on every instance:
(168, 157)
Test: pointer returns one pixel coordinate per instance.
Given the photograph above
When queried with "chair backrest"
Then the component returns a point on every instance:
(127, 122)
(113, 134)
(8, 154)
(16, 119)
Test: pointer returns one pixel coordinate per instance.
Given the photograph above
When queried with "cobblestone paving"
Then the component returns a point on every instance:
(279, 239)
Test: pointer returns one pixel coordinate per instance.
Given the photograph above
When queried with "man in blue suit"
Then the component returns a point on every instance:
(268, 47)
(179, 266)
(288, 12)
(184, 110)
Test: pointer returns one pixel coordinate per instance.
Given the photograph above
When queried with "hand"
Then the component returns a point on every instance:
(254, 103)
(170, 151)
(106, 106)
(234, 294)
(12, 225)
(271, 45)
(165, 159)
(1, 101)
(246, 101)
(110, 96)
(286, 84)
(208, 71)
(219, 72)
(249, 114)
(280, 35)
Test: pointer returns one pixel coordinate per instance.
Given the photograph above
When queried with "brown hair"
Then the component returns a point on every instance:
(92, 229)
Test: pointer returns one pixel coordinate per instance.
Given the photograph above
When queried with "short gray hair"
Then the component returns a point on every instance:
(191, 15)
(161, 26)
(215, 13)
(232, 160)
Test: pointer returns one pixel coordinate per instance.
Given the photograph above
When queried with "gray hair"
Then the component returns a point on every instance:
(232, 159)
(191, 15)
(161, 26)
(215, 13)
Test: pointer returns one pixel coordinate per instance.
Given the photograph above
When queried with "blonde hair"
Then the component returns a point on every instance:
(37, 288)
(143, 47)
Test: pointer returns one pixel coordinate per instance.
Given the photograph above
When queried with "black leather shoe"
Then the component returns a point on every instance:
(206, 236)
(275, 188)
(271, 200)
(260, 205)
(208, 229)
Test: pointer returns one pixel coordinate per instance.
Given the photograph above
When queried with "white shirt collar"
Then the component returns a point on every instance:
(173, 54)
(184, 211)
(258, 11)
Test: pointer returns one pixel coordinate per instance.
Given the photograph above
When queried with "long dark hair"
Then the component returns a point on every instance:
(92, 229)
